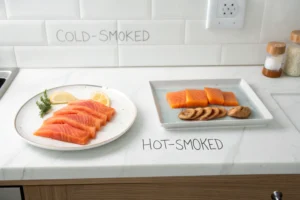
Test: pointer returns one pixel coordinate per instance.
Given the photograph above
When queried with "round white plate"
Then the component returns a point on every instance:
(28, 120)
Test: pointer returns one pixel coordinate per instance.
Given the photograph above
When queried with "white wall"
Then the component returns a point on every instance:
(35, 33)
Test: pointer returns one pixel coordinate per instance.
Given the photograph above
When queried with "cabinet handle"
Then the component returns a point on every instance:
(276, 195)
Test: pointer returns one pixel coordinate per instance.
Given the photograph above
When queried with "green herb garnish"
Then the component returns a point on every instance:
(44, 105)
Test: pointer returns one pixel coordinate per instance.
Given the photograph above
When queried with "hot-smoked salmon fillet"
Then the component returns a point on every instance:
(95, 106)
(73, 109)
(214, 96)
(195, 98)
(177, 99)
(62, 119)
(63, 132)
(230, 99)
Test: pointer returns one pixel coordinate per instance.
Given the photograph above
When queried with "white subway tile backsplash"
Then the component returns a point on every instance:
(82, 32)
(95, 33)
(179, 9)
(151, 32)
(58, 56)
(115, 9)
(239, 54)
(280, 18)
(7, 57)
(170, 55)
(196, 33)
(42, 9)
(2, 10)
(22, 32)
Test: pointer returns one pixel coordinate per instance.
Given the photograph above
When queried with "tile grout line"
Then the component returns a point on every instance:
(185, 33)
(5, 8)
(46, 34)
(221, 50)
(118, 47)
(151, 9)
(79, 9)
(16, 57)
(262, 21)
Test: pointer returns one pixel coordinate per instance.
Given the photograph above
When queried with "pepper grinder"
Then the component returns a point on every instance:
(276, 195)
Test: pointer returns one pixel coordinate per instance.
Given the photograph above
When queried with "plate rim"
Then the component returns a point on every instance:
(79, 148)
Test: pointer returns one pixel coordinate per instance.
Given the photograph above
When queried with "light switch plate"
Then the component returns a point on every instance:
(225, 14)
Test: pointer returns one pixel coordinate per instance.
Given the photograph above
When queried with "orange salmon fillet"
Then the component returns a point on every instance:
(214, 96)
(177, 99)
(195, 98)
(230, 99)
(95, 107)
(62, 119)
(73, 109)
(85, 119)
(63, 132)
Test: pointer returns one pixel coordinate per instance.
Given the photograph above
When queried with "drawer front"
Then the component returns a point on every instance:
(185, 188)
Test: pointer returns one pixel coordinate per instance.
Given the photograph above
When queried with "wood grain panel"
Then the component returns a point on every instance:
(163, 188)
(45, 192)
(183, 179)
(32, 193)
(213, 190)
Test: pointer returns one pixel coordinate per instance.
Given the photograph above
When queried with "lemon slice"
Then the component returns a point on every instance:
(62, 98)
(101, 97)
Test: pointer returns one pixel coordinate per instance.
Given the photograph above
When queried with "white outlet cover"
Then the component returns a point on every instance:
(225, 14)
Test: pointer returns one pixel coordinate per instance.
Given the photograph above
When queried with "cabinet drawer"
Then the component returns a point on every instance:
(171, 191)
(177, 188)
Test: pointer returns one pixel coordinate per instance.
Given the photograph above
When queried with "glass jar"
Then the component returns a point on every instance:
(292, 63)
(274, 60)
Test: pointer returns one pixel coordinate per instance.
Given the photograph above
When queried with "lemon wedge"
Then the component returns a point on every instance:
(62, 98)
(101, 97)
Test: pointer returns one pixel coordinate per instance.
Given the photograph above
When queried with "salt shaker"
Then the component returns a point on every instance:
(274, 60)
(292, 63)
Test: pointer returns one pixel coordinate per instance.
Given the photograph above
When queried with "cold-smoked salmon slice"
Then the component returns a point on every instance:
(195, 98)
(230, 99)
(63, 132)
(177, 99)
(96, 107)
(214, 96)
(62, 119)
(85, 119)
(81, 117)
(73, 109)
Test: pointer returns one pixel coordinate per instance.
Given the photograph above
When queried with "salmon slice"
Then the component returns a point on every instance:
(63, 132)
(81, 117)
(82, 110)
(214, 96)
(196, 98)
(62, 119)
(85, 119)
(230, 99)
(95, 106)
(177, 99)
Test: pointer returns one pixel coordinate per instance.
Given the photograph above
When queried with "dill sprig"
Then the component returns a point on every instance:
(44, 105)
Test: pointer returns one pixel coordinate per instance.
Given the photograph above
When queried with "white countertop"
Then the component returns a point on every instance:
(274, 149)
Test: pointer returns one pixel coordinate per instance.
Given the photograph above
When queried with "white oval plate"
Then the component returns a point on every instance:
(27, 120)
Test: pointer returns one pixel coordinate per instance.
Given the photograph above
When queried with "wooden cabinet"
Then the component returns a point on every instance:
(258, 187)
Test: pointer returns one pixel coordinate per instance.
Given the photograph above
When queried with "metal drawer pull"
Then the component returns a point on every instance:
(276, 195)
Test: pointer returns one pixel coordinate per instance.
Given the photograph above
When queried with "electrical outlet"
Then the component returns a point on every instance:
(224, 14)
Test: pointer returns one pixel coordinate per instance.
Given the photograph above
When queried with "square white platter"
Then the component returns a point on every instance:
(168, 117)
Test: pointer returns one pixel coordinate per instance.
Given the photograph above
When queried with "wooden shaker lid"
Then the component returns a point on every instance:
(295, 36)
(276, 48)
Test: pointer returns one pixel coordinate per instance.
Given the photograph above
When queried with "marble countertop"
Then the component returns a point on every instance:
(274, 149)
